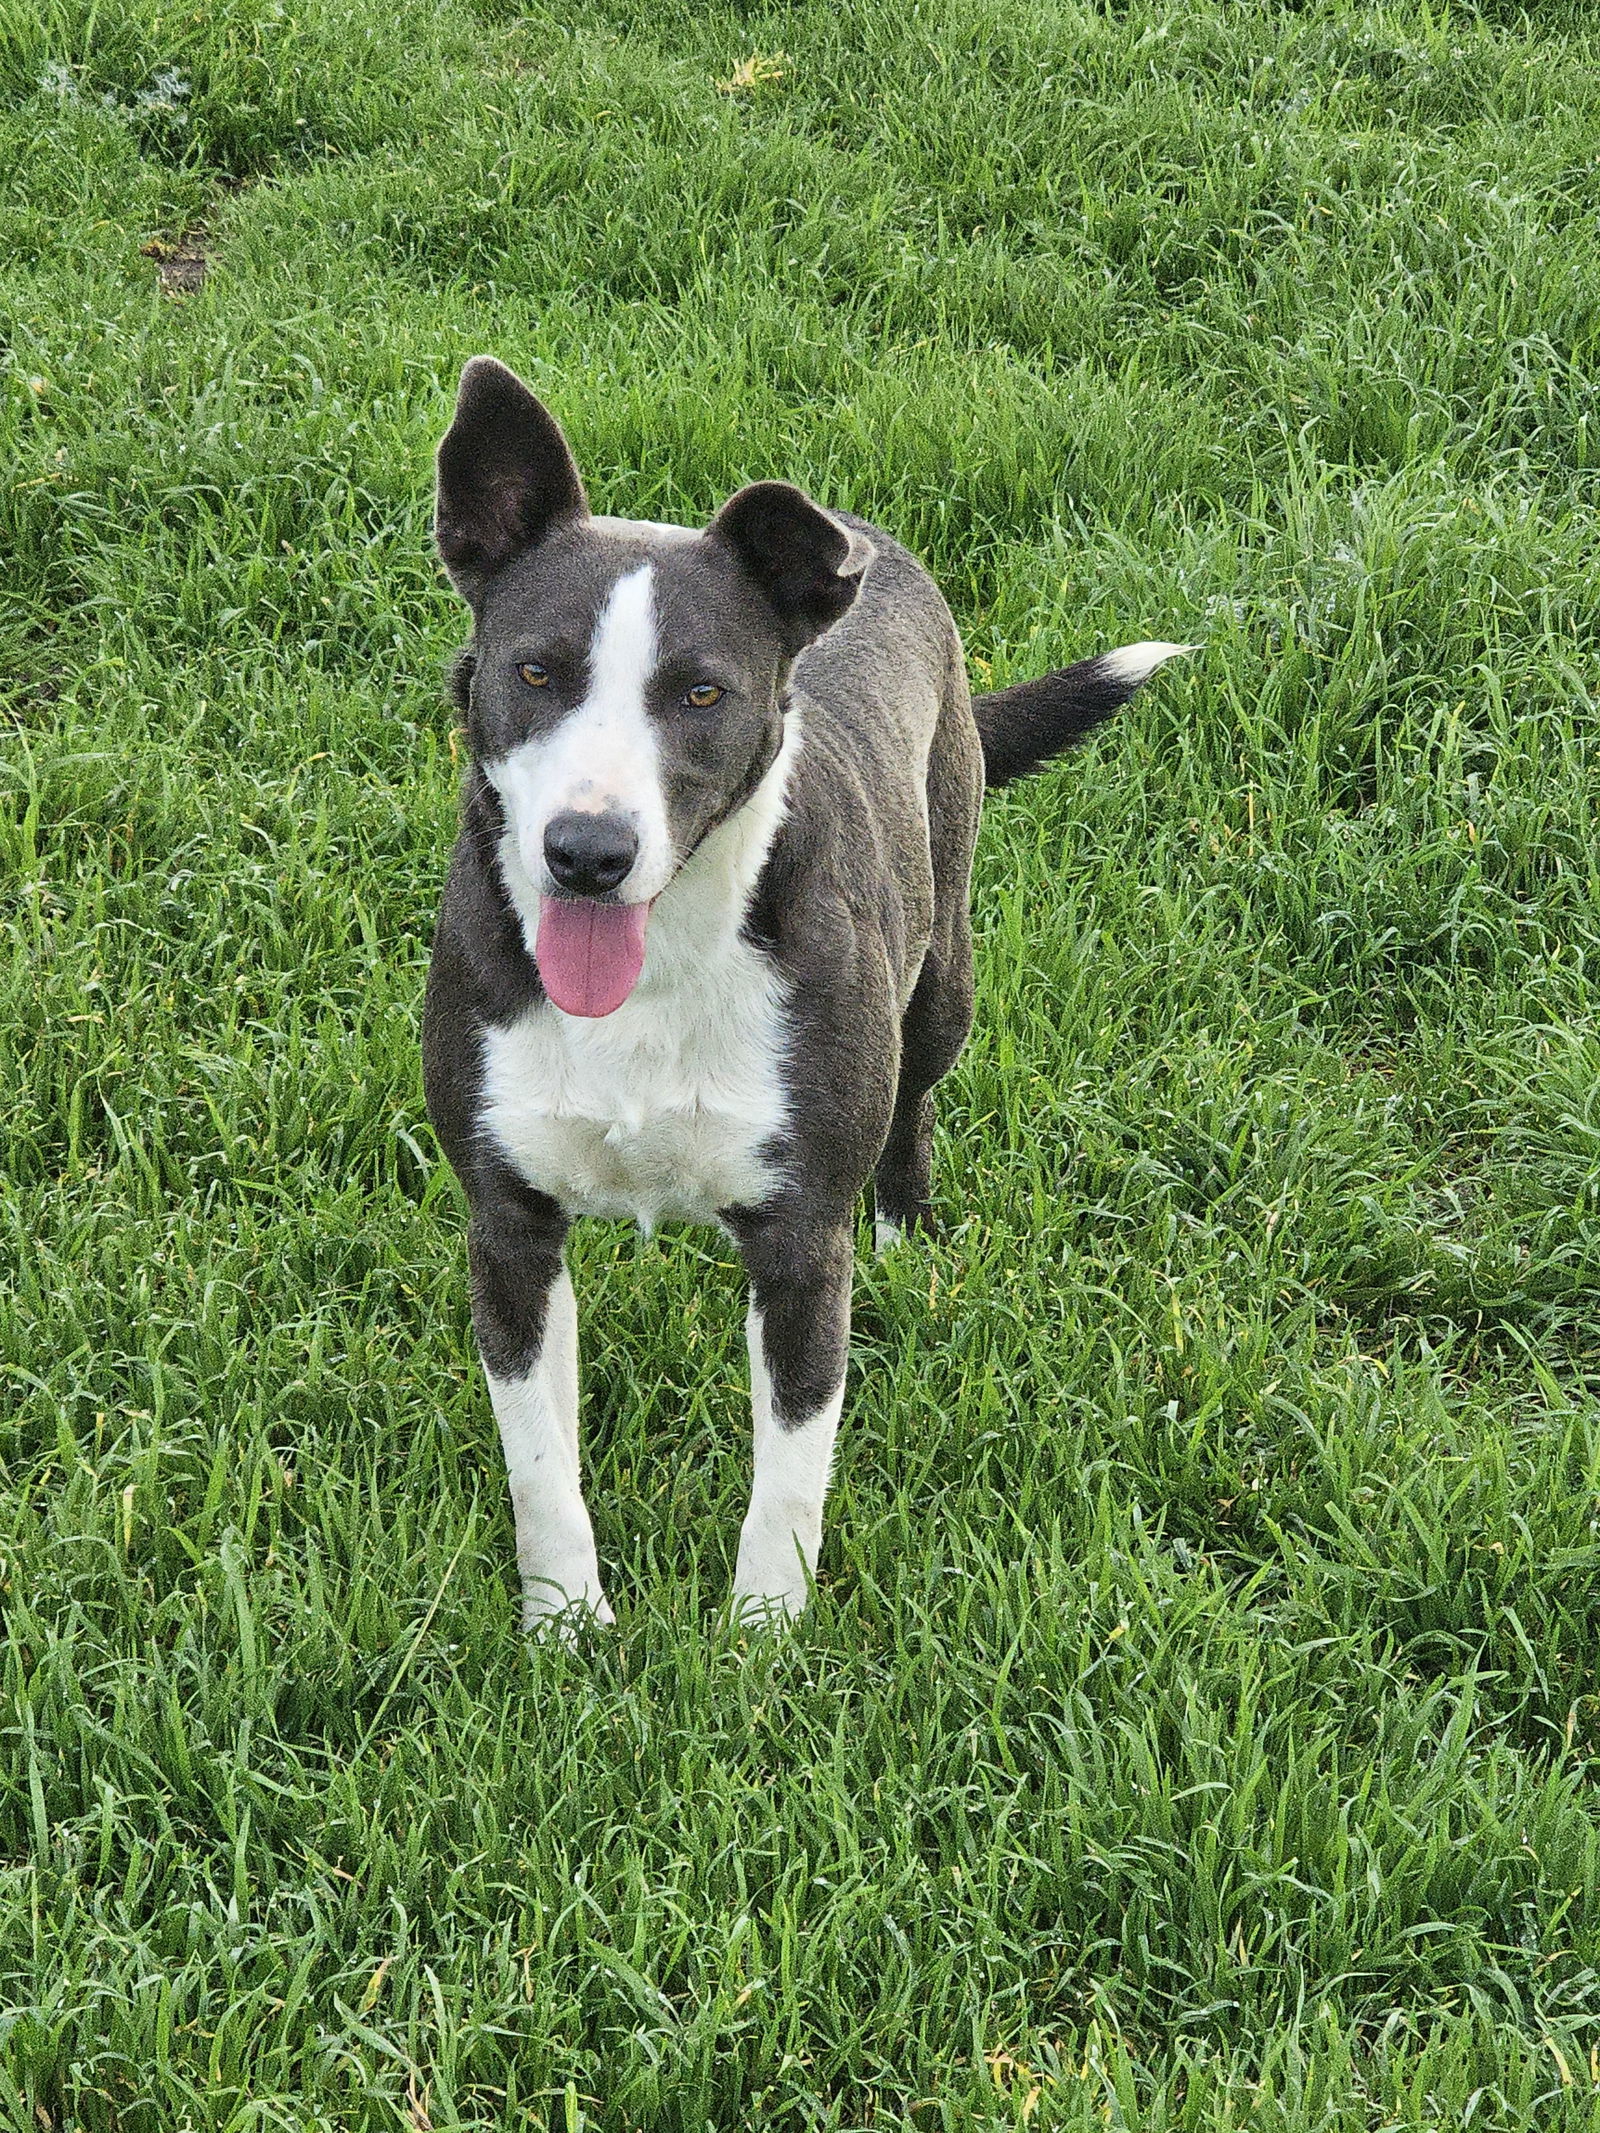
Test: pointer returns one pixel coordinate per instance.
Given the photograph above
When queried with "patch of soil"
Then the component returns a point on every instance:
(182, 266)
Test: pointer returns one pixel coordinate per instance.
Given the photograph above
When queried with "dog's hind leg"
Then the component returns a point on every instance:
(933, 1032)
(526, 1320)
(798, 1331)
(902, 1184)
(939, 1013)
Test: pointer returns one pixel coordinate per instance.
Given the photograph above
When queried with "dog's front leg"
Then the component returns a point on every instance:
(798, 1331)
(526, 1319)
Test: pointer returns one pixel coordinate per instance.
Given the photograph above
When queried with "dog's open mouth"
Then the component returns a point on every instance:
(589, 954)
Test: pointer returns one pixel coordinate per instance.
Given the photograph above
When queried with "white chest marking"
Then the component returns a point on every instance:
(666, 1109)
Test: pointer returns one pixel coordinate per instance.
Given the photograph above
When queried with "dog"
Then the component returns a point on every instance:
(704, 950)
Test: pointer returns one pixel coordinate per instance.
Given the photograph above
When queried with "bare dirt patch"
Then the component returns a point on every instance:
(181, 266)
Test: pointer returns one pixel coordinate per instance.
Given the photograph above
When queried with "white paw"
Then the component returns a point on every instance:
(886, 1235)
(767, 1610)
(547, 1611)
(770, 1585)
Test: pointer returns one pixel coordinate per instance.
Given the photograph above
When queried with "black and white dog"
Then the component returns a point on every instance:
(704, 950)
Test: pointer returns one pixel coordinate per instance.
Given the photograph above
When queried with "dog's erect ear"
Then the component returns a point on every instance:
(807, 564)
(505, 476)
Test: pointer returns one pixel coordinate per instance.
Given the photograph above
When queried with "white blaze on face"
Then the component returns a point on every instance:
(602, 758)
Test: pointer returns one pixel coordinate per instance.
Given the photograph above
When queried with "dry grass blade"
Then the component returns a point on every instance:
(761, 70)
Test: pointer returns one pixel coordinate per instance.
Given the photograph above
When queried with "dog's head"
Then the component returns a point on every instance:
(626, 680)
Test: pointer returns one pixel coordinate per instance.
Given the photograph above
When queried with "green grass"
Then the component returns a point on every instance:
(1199, 1721)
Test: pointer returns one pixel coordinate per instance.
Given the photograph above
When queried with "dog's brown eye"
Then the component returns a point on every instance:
(534, 674)
(703, 695)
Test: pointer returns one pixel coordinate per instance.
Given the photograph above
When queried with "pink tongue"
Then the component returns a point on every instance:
(589, 954)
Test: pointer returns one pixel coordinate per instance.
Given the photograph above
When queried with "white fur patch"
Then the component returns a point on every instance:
(538, 1418)
(886, 1234)
(1135, 663)
(782, 1531)
(601, 759)
(664, 1109)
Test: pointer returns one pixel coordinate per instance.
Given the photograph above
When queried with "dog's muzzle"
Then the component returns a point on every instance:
(588, 855)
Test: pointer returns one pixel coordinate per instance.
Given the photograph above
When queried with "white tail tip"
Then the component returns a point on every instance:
(1135, 663)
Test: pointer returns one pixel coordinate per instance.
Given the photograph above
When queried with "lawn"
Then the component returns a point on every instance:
(1198, 1722)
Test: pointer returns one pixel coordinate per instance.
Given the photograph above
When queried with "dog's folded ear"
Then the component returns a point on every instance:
(506, 476)
(807, 564)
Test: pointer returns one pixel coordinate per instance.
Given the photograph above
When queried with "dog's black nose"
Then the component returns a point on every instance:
(589, 854)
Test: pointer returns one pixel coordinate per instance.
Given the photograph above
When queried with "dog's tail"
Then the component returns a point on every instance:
(1023, 727)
